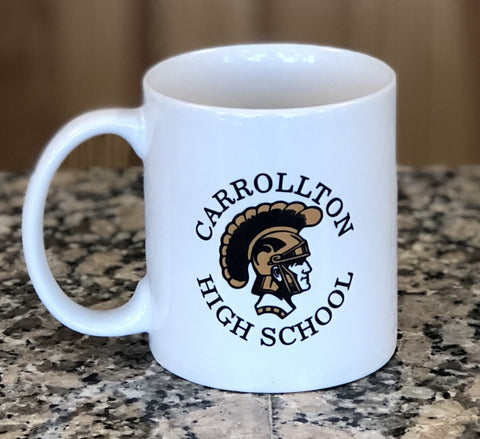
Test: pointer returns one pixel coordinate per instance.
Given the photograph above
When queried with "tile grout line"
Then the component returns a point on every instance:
(270, 416)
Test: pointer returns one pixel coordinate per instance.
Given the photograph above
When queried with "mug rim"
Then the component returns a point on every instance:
(151, 90)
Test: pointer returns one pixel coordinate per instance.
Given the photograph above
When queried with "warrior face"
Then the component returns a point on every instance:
(301, 269)
(279, 257)
(296, 274)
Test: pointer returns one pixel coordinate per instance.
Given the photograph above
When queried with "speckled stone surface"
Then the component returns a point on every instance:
(57, 383)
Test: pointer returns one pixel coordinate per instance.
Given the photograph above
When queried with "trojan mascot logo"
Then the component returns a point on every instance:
(267, 237)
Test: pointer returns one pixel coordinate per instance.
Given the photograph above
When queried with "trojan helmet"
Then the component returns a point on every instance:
(267, 236)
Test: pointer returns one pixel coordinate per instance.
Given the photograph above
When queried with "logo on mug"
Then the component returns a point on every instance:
(263, 249)
(267, 237)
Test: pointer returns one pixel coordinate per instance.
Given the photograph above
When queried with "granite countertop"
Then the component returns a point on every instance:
(55, 382)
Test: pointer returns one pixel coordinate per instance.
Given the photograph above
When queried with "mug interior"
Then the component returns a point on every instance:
(269, 76)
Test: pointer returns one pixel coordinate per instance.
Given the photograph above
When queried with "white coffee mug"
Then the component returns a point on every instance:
(270, 206)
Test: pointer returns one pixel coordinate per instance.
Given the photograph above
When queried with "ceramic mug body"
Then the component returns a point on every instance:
(270, 199)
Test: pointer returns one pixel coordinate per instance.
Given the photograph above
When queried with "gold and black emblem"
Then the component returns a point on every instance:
(267, 237)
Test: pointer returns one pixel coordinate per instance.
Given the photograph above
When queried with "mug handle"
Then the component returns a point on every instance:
(130, 318)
